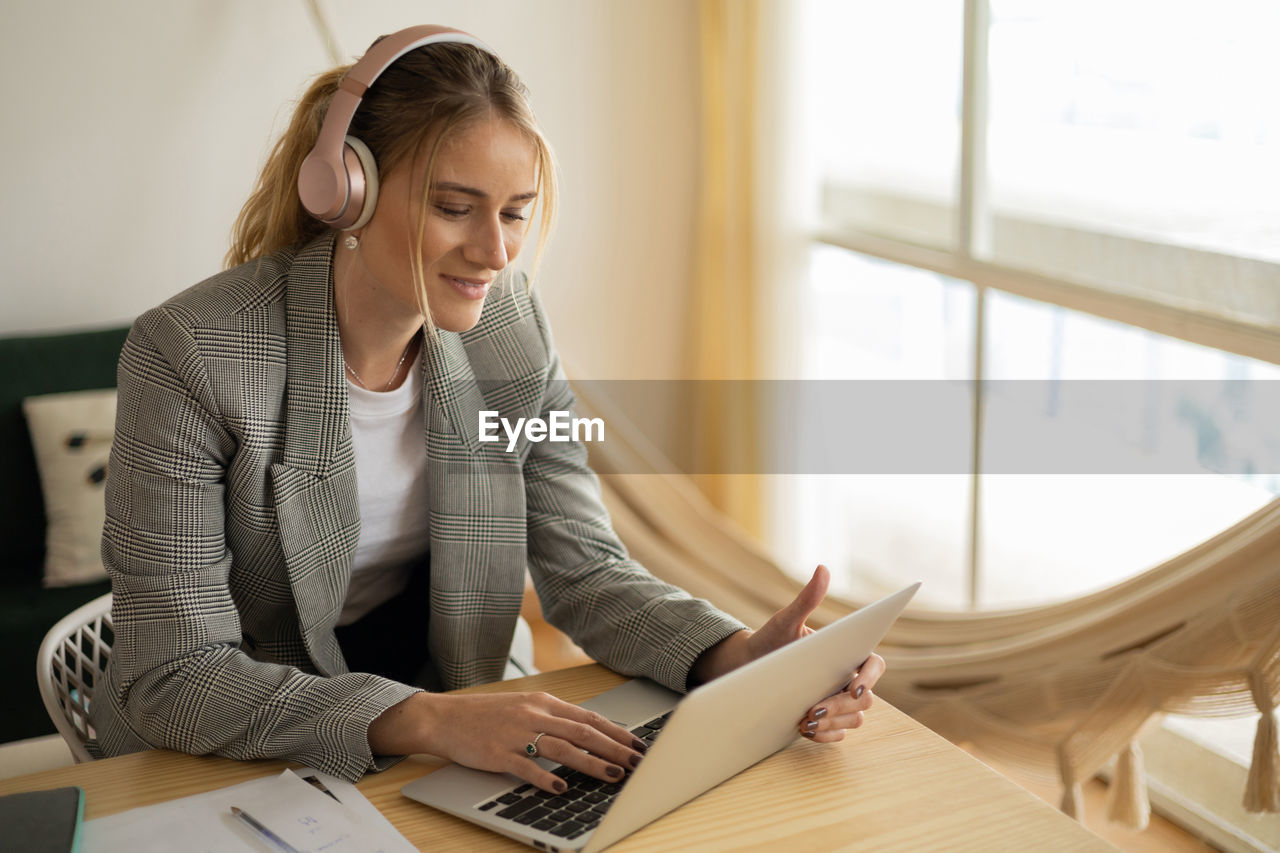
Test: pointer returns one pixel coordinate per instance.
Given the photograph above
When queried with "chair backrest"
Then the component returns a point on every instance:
(69, 666)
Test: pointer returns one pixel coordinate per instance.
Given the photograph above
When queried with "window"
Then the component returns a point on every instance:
(1159, 444)
(867, 319)
(889, 149)
(1077, 203)
(1092, 197)
(1143, 119)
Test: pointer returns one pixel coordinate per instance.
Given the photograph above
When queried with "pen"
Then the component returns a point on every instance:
(270, 836)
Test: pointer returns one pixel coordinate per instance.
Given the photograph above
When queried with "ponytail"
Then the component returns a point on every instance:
(273, 217)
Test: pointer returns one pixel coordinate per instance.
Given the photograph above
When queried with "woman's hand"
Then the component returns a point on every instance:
(826, 721)
(491, 732)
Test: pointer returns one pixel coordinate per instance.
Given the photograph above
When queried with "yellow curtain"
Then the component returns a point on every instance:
(724, 329)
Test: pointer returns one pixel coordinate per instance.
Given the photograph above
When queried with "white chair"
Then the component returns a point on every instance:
(70, 665)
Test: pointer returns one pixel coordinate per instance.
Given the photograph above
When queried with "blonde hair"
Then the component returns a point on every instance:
(414, 107)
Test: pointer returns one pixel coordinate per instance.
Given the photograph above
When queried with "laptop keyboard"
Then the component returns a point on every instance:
(576, 811)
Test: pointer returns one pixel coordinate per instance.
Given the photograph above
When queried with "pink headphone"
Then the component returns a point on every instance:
(338, 181)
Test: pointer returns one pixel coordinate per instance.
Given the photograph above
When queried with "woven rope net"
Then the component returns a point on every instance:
(1059, 689)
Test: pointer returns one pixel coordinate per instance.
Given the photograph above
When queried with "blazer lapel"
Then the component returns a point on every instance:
(319, 419)
(451, 386)
(316, 497)
(477, 525)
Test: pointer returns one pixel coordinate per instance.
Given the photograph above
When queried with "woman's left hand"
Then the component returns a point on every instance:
(827, 720)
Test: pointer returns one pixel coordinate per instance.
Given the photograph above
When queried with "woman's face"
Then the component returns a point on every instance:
(477, 211)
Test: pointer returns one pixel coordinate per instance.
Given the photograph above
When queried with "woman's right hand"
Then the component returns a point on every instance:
(491, 732)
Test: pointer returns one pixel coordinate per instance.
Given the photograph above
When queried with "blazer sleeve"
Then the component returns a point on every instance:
(610, 605)
(177, 677)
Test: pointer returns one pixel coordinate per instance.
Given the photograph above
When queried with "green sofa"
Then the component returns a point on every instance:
(30, 366)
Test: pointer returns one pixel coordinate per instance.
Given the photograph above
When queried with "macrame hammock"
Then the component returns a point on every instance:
(1066, 686)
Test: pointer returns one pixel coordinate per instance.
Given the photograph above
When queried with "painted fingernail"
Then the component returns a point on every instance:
(811, 726)
(634, 761)
(809, 735)
(819, 713)
(857, 694)
(613, 772)
(560, 785)
(639, 746)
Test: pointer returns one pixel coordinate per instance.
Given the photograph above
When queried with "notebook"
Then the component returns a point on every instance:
(697, 741)
(42, 821)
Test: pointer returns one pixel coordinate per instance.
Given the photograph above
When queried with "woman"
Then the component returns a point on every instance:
(303, 530)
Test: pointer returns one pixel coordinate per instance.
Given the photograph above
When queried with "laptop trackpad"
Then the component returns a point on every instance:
(633, 702)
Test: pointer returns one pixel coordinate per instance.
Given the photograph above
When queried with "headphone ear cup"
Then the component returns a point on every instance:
(369, 173)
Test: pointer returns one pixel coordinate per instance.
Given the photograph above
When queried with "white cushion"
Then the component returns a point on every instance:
(71, 435)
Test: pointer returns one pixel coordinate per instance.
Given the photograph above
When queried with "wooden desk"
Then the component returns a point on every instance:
(892, 785)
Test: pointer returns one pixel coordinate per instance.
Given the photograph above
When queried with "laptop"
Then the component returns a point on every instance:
(696, 741)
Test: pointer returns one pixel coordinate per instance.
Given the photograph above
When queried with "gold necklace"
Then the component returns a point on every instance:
(399, 365)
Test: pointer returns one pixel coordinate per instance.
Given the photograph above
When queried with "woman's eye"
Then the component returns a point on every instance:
(451, 212)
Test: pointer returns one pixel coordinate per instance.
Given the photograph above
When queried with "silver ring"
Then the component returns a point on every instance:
(532, 746)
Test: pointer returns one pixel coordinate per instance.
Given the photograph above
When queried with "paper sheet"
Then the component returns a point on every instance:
(309, 820)
(349, 795)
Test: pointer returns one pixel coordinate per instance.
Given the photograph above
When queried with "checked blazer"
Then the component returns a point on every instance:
(233, 515)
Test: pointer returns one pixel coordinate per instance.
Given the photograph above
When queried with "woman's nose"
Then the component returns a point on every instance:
(488, 247)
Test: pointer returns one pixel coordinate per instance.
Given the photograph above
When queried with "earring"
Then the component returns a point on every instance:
(352, 241)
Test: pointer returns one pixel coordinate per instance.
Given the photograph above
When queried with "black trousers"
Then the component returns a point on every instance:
(391, 639)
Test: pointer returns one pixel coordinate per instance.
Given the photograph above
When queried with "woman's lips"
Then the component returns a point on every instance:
(468, 287)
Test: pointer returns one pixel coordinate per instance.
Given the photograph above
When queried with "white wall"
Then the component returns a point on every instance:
(135, 130)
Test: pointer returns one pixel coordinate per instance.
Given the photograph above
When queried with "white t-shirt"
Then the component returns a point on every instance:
(391, 473)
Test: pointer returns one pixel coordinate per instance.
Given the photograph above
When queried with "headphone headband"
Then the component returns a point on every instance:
(325, 183)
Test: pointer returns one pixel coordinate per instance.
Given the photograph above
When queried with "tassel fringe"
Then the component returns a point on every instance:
(1127, 800)
(1262, 793)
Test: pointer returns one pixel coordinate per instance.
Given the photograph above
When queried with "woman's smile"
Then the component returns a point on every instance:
(468, 287)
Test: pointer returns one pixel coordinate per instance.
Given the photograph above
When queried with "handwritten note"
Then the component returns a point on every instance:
(302, 815)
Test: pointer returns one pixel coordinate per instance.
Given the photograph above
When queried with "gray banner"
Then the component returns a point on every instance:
(925, 427)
